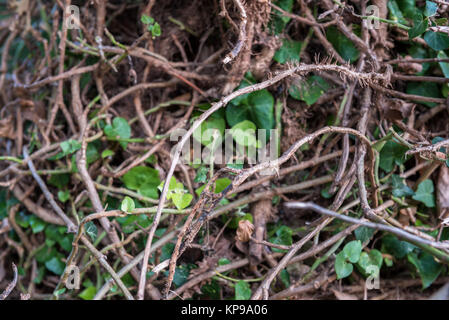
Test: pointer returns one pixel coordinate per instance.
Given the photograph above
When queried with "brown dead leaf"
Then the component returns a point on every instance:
(443, 192)
(395, 109)
(245, 230)
(7, 128)
(344, 296)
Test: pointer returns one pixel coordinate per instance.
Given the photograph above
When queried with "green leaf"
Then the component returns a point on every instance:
(285, 278)
(36, 224)
(119, 128)
(211, 130)
(181, 200)
(443, 65)
(395, 12)
(127, 205)
(367, 260)
(55, 265)
(107, 153)
(88, 293)
(342, 44)
(67, 147)
(262, 109)
(396, 247)
(234, 223)
(288, 52)
(258, 107)
(427, 267)
(244, 133)
(155, 30)
(63, 196)
(283, 237)
(278, 23)
(425, 89)
(242, 291)
(201, 175)
(363, 233)
(91, 230)
(400, 189)
(437, 40)
(310, 91)
(392, 153)
(352, 250)
(212, 290)
(144, 180)
(146, 19)
(408, 7)
(425, 193)
(419, 26)
(342, 268)
(431, 9)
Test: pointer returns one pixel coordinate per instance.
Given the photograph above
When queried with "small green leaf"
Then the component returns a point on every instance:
(211, 130)
(437, 40)
(425, 193)
(128, 205)
(288, 52)
(91, 230)
(242, 291)
(342, 268)
(119, 129)
(342, 44)
(244, 133)
(425, 89)
(63, 196)
(352, 250)
(392, 153)
(146, 19)
(88, 293)
(36, 224)
(310, 91)
(431, 9)
(367, 260)
(181, 200)
(419, 26)
(283, 237)
(201, 175)
(55, 265)
(107, 153)
(144, 180)
(427, 267)
(400, 189)
(396, 247)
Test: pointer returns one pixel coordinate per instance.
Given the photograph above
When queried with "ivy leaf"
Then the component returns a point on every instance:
(144, 180)
(310, 91)
(427, 267)
(425, 194)
(278, 23)
(396, 247)
(342, 44)
(258, 107)
(289, 51)
(55, 265)
(119, 128)
(67, 147)
(431, 9)
(392, 153)
(127, 205)
(201, 175)
(395, 12)
(363, 233)
(244, 133)
(443, 65)
(63, 196)
(181, 200)
(352, 250)
(88, 293)
(367, 260)
(242, 291)
(211, 130)
(36, 224)
(283, 237)
(91, 230)
(400, 189)
(437, 40)
(426, 89)
(419, 26)
(146, 19)
(342, 268)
